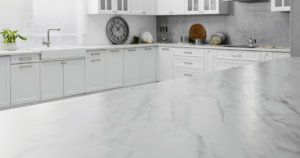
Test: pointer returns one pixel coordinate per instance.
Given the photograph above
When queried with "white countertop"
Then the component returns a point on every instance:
(24, 51)
(247, 112)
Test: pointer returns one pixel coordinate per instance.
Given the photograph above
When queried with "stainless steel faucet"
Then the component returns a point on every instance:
(48, 43)
(251, 42)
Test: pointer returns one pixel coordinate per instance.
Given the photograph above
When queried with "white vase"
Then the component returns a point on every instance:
(12, 46)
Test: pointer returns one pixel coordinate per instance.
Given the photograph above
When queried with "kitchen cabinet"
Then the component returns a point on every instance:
(266, 56)
(170, 7)
(281, 5)
(165, 64)
(25, 83)
(94, 74)
(114, 68)
(52, 80)
(209, 60)
(148, 65)
(73, 77)
(206, 7)
(143, 7)
(4, 81)
(281, 55)
(131, 67)
(181, 73)
(221, 64)
(108, 6)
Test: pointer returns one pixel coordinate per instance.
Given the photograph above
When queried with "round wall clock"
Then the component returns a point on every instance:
(117, 30)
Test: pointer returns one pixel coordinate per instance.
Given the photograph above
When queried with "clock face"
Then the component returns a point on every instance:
(117, 30)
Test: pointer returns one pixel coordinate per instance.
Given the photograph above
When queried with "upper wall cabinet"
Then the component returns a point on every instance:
(206, 7)
(143, 7)
(281, 5)
(109, 6)
(170, 7)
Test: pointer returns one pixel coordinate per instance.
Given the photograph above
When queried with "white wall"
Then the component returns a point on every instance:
(10, 17)
(96, 29)
(295, 24)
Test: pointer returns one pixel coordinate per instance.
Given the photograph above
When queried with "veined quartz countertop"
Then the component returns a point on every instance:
(247, 112)
(25, 51)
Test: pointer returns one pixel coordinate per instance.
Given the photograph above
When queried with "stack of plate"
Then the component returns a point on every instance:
(146, 36)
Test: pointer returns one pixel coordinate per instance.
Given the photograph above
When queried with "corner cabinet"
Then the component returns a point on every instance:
(108, 6)
(170, 7)
(206, 7)
(4, 81)
(143, 7)
(280, 5)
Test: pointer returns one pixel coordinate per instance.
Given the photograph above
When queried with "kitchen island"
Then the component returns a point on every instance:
(251, 111)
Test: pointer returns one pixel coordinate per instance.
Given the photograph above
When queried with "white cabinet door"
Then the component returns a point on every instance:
(52, 80)
(194, 6)
(114, 68)
(281, 5)
(221, 64)
(149, 7)
(178, 7)
(106, 6)
(73, 77)
(94, 74)
(131, 67)
(164, 7)
(143, 7)
(266, 56)
(148, 65)
(209, 60)
(4, 81)
(25, 83)
(122, 7)
(281, 55)
(164, 64)
(136, 6)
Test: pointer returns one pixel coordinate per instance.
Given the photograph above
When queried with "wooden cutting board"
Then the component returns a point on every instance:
(197, 31)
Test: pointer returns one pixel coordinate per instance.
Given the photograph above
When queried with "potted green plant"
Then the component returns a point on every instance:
(10, 38)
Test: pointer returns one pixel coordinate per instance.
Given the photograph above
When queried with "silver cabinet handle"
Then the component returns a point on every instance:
(25, 58)
(114, 51)
(25, 66)
(62, 63)
(148, 49)
(190, 63)
(165, 49)
(188, 75)
(188, 52)
(95, 54)
(236, 55)
(97, 60)
(132, 50)
(65, 62)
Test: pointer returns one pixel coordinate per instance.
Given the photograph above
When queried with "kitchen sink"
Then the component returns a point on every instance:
(239, 46)
(53, 53)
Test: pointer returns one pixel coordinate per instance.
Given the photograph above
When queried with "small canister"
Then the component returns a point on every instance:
(199, 41)
(184, 39)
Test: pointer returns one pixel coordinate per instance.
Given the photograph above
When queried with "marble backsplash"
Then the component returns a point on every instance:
(244, 20)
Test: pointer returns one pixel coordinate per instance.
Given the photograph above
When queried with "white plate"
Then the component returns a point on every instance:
(141, 35)
(147, 36)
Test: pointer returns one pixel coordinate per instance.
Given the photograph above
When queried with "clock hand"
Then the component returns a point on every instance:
(120, 27)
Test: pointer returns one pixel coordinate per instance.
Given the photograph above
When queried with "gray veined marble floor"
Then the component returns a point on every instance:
(247, 112)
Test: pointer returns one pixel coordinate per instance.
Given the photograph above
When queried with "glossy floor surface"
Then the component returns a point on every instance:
(246, 112)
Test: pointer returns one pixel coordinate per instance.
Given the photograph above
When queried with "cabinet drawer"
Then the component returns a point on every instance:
(95, 54)
(25, 59)
(221, 64)
(189, 52)
(189, 62)
(281, 55)
(237, 55)
(181, 73)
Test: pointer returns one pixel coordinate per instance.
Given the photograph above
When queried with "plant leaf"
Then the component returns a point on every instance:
(22, 37)
(15, 31)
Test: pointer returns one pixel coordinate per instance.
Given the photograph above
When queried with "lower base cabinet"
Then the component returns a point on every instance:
(114, 68)
(181, 72)
(131, 67)
(25, 83)
(52, 80)
(73, 77)
(148, 65)
(164, 64)
(4, 81)
(222, 64)
(94, 74)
